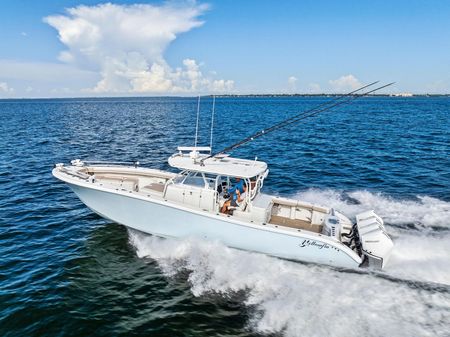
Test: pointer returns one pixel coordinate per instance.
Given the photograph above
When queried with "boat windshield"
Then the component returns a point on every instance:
(222, 184)
(197, 179)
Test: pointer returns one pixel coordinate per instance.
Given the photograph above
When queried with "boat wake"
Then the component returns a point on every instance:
(410, 298)
(420, 229)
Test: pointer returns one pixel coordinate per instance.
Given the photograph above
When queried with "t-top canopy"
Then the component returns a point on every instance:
(224, 166)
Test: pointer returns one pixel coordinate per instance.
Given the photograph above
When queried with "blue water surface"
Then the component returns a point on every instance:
(65, 271)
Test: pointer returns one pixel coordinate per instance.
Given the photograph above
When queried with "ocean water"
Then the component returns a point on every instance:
(65, 271)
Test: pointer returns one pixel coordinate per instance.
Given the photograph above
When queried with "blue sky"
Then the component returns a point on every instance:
(90, 48)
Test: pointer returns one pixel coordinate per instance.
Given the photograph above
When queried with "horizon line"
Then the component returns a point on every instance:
(397, 95)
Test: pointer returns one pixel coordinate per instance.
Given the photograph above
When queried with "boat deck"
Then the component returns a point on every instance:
(295, 223)
(157, 187)
(265, 209)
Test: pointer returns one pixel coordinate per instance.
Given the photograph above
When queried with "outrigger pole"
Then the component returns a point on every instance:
(212, 123)
(196, 125)
(326, 106)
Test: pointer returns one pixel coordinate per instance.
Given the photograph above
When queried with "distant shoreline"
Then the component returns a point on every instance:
(331, 95)
(225, 96)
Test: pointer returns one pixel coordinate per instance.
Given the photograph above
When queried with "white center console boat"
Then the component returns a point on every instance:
(188, 204)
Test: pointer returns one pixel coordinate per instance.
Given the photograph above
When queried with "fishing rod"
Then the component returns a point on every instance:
(276, 126)
(350, 99)
(310, 110)
(316, 107)
(344, 99)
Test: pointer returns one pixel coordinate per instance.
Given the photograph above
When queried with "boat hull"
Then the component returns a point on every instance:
(174, 221)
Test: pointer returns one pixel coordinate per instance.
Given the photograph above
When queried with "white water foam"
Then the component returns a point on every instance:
(421, 257)
(301, 300)
(417, 255)
(310, 300)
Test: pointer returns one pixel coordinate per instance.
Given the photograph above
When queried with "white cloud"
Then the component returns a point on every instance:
(6, 89)
(222, 85)
(345, 83)
(125, 45)
(292, 82)
(314, 88)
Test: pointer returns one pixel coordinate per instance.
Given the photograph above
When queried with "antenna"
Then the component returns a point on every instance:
(212, 123)
(196, 126)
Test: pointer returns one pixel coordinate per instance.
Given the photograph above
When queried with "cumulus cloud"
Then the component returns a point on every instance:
(345, 83)
(125, 44)
(5, 88)
(314, 88)
(292, 82)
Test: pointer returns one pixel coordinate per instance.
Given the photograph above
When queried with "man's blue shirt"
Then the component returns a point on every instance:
(239, 186)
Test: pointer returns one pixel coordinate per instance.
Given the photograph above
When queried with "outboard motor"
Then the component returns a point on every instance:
(375, 243)
(332, 226)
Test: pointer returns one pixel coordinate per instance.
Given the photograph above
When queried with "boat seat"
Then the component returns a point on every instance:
(284, 201)
(295, 223)
(191, 196)
(158, 187)
(241, 207)
(124, 182)
(262, 201)
(317, 217)
(301, 204)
